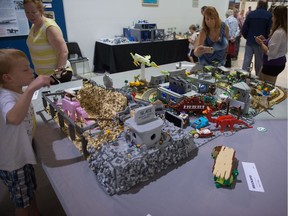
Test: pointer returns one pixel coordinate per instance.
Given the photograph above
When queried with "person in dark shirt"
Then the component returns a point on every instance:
(257, 22)
(249, 10)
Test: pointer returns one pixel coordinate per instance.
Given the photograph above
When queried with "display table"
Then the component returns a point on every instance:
(183, 190)
(117, 58)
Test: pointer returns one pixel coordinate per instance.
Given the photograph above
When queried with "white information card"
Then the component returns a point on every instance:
(35, 95)
(252, 177)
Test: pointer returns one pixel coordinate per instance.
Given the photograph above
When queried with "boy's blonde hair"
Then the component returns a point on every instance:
(7, 60)
(192, 27)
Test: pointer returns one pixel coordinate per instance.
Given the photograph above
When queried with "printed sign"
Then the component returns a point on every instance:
(144, 114)
(252, 177)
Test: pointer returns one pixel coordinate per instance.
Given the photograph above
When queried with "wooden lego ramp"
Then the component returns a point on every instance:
(224, 162)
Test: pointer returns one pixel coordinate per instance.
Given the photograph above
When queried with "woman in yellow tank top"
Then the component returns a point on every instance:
(45, 41)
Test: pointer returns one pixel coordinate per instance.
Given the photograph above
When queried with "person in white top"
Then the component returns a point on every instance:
(275, 47)
(17, 123)
(192, 42)
(240, 18)
(234, 32)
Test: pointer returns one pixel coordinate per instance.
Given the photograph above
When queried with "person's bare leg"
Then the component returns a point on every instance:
(31, 210)
(22, 211)
(34, 211)
(191, 59)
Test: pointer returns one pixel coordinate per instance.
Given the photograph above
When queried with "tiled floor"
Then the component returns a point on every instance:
(48, 202)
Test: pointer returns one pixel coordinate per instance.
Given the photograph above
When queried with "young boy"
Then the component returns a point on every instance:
(17, 123)
(192, 42)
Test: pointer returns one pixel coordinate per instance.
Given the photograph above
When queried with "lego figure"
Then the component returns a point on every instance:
(108, 83)
(144, 60)
(185, 118)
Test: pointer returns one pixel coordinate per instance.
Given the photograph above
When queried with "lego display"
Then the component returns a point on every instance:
(130, 134)
(224, 120)
(142, 61)
(143, 31)
(203, 132)
(147, 146)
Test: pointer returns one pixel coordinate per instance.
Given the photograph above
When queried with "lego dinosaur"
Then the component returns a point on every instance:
(224, 121)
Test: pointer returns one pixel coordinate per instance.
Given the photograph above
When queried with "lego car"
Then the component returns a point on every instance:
(202, 133)
(201, 122)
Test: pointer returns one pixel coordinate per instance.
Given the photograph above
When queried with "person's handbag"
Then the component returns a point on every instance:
(62, 75)
(231, 48)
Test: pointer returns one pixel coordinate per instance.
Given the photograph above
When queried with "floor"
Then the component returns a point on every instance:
(48, 202)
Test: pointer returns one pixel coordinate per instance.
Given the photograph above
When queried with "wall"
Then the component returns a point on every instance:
(19, 42)
(90, 20)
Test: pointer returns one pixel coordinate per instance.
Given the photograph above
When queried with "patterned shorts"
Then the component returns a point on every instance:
(21, 184)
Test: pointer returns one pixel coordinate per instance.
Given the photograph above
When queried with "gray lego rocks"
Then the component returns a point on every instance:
(147, 146)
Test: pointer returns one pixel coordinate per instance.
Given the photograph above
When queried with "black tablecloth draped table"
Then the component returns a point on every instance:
(117, 58)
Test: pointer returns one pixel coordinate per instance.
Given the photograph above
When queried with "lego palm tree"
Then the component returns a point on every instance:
(144, 61)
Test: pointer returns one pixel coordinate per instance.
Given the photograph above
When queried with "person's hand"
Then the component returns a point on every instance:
(232, 39)
(39, 82)
(201, 48)
(205, 49)
(208, 49)
(260, 39)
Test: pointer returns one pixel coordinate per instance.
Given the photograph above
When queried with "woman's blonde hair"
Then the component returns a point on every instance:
(38, 3)
(211, 12)
(7, 60)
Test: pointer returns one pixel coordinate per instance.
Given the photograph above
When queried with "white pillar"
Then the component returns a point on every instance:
(142, 75)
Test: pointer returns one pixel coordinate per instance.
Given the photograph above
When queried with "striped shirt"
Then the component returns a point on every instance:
(43, 55)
